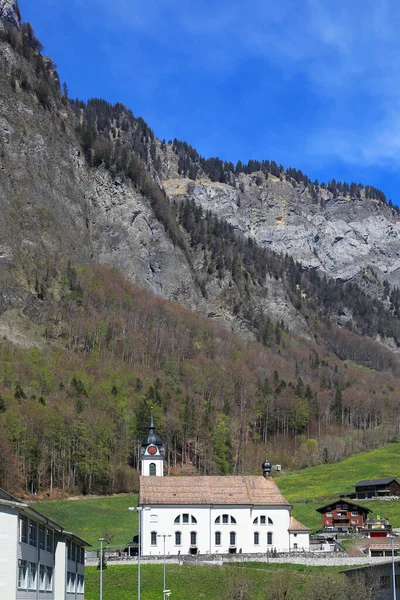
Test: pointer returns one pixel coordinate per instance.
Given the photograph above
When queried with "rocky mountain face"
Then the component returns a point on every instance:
(69, 191)
(9, 12)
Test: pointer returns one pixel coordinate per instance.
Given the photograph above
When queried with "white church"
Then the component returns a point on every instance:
(212, 514)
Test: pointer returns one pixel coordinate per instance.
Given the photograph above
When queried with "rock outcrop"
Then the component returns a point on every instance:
(9, 12)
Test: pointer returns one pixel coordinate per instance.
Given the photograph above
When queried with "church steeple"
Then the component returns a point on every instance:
(152, 453)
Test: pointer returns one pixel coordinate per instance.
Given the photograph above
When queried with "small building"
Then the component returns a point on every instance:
(378, 578)
(212, 514)
(38, 558)
(376, 528)
(372, 488)
(342, 515)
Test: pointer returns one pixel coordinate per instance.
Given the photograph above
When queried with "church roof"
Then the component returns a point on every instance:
(295, 525)
(239, 490)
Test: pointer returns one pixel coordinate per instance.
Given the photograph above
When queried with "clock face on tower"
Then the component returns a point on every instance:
(152, 450)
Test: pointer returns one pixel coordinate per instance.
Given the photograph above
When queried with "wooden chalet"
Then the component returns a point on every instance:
(342, 515)
(371, 488)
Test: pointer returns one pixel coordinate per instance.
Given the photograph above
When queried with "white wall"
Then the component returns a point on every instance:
(302, 539)
(161, 520)
(60, 574)
(8, 553)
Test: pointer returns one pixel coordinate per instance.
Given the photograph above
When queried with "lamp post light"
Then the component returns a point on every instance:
(393, 568)
(139, 510)
(101, 540)
(166, 593)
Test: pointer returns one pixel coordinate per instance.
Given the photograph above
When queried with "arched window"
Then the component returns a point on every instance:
(255, 522)
(153, 541)
(233, 520)
(226, 519)
(232, 538)
(186, 518)
(262, 520)
(178, 538)
(270, 521)
(256, 538)
(152, 469)
(193, 538)
(217, 520)
(178, 519)
(193, 519)
(269, 538)
(217, 538)
(153, 519)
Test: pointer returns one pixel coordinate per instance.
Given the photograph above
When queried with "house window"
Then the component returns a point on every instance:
(256, 538)
(153, 538)
(178, 538)
(217, 538)
(269, 538)
(295, 546)
(49, 541)
(42, 536)
(42, 578)
(328, 514)
(23, 530)
(49, 579)
(232, 538)
(152, 469)
(193, 538)
(32, 533)
(32, 576)
(354, 513)
(262, 520)
(73, 552)
(22, 574)
(270, 521)
(344, 506)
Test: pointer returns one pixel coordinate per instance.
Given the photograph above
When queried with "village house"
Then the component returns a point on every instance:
(212, 514)
(371, 488)
(38, 558)
(343, 515)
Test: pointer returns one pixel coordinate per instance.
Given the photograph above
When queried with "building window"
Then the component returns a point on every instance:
(152, 469)
(328, 514)
(193, 538)
(178, 538)
(232, 538)
(68, 549)
(269, 538)
(42, 536)
(49, 541)
(81, 584)
(153, 519)
(256, 538)
(178, 519)
(344, 506)
(354, 513)
(73, 552)
(49, 579)
(22, 574)
(217, 520)
(295, 546)
(42, 578)
(153, 537)
(73, 582)
(193, 519)
(233, 520)
(23, 530)
(270, 521)
(185, 518)
(255, 522)
(32, 575)
(225, 519)
(32, 533)
(82, 561)
(68, 582)
(217, 538)
(262, 520)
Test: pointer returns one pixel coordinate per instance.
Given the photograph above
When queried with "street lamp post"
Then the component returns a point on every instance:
(166, 593)
(139, 510)
(393, 569)
(101, 540)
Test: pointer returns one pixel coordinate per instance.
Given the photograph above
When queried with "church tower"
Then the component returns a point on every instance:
(152, 453)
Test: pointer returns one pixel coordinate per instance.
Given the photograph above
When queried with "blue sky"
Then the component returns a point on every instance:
(312, 84)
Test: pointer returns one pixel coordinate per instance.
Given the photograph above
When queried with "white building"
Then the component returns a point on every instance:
(212, 515)
(38, 559)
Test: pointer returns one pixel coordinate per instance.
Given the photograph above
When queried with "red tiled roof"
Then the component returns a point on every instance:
(240, 490)
(295, 525)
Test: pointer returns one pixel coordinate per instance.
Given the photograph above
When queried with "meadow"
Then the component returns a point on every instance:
(306, 489)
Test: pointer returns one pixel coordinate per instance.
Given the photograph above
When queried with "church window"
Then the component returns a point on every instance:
(217, 538)
(153, 538)
(178, 519)
(185, 518)
(270, 521)
(232, 538)
(255, 522)
(193, 519)
(233, 520)
(217, 520)
(256, 538)
(178, 538)
(193, 538)
(225, 518)
(152, 469)
(153, 519)
(269, 538)
(262, 520)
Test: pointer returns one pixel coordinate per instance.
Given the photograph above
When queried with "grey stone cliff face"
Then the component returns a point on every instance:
(338, 236)
(9, 12)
